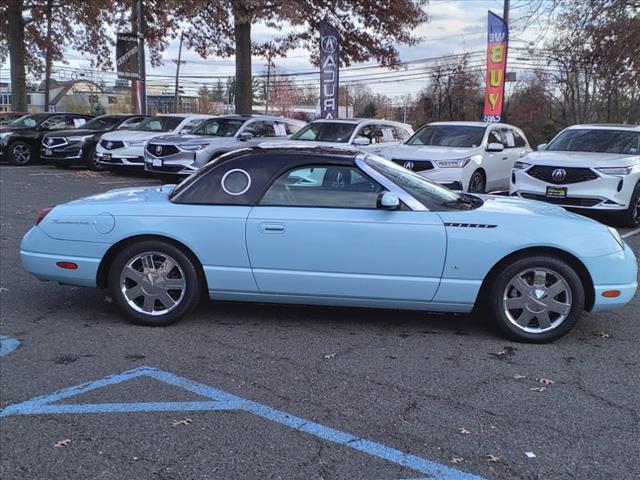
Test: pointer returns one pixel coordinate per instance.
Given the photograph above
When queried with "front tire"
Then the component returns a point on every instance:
(477, 183)
(537, 299)
(154, 283)
(21, 153)
(92, 161)
(631, 216)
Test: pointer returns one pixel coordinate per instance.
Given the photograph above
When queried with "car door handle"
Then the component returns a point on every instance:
(271, 227)
(505, 158)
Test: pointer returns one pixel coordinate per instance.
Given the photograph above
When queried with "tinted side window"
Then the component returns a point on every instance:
(291, 128)
(508, 138)
(261, 129)
(57, 122)
(494, 136)
(520, 141)
(325, 186)
(401, 134)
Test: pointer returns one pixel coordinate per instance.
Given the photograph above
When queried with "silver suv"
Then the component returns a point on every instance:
(184, 154)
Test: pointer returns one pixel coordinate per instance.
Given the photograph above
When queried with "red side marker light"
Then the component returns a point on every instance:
(43, 214)
(611, 293)
(67, 265)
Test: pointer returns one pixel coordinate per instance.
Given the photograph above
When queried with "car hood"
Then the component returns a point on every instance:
(14, 129)
(194, 139)
(129, 135)
(581, 159)
(424, 152)
(74, 132)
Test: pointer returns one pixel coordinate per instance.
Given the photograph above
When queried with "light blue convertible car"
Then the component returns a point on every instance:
(333, 227)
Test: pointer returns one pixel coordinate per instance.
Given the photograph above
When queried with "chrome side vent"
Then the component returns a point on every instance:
(470, 225)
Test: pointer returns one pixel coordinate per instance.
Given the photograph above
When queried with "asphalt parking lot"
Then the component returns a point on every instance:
(248, 391)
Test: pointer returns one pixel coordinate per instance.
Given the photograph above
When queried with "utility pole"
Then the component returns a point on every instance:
(139, 87)
(176, 100)
(47, 61)
(266, 91)
(505, 12)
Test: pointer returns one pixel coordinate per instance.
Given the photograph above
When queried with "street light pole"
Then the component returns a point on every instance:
(178, 62)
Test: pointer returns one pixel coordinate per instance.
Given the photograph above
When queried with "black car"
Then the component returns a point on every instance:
(8, 117)
(78, 145)
(20, 140)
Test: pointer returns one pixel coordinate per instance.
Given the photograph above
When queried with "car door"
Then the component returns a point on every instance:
(317, 233)
(497, 165)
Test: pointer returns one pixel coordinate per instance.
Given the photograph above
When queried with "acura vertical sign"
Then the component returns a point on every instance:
(329, 70)
(127, 63)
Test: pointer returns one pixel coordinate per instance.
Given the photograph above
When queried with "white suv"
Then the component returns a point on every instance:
(365, 133)
(469, 156)
(125, 148)
(587, 167)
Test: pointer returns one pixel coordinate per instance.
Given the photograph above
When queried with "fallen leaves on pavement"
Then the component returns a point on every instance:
(185, 421)
(62, 443)
(463, 430)
(457, 459)
(330, 356)
(601, 334)
(492, 458)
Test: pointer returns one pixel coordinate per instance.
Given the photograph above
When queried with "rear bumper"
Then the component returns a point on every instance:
(617, 271)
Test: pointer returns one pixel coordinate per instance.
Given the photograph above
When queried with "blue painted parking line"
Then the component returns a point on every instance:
(220, 400)
(7, 345)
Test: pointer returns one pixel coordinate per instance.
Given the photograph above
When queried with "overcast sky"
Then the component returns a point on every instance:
(455, 26)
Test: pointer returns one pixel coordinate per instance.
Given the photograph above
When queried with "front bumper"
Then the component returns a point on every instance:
(67, 154)
(180, 163)
(453, 178)
(605, 193)
(616, 271)
(125, 157)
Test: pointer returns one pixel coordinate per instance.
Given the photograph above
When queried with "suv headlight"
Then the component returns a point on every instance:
(617, 236)
(454, 163)
(135, 143)
(521, 165)
(615, 170)
(193, 147)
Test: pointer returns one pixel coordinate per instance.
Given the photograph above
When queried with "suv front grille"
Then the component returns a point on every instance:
(111, 144)
(569, 201)
(161, 150)
(571, 174)
(415, 165)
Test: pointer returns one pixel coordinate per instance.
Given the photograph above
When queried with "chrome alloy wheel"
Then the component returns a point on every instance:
(537, 300)
(21, 154)
(636, 215)
(152, 283)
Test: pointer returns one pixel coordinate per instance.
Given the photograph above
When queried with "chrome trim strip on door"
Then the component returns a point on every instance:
(411, 202)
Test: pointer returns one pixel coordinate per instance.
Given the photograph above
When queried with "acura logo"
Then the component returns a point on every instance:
(109, 145)
(328, 44)
(49, 141)
(408, 165)
(158, 149)
(559, 174)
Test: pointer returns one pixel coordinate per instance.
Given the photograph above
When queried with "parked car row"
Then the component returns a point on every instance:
(585, 167)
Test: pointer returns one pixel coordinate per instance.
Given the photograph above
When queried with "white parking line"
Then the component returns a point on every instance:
(631, 233)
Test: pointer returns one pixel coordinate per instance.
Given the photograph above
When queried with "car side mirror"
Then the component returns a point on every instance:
(362, 141)
(542, 146)
(388, 201)
(244, 136)
(495, 147)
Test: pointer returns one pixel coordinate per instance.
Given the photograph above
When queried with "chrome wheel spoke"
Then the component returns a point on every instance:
(556, 289)
(525, 318)
(543, 320)
(166, 300)
(133, 274)
(515, 303)
(148, 304)
(174, 284)
(540, 278)
(133, 293)
(559, 307)
(147, 262)
(167, 265)
(520, 285)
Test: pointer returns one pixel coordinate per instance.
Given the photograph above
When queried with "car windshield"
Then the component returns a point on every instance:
(448, 136)
(29, 121)
(159, 124)
(325, 132)
(599, 141)
(425, 191)
(103, 123)
(219, 127)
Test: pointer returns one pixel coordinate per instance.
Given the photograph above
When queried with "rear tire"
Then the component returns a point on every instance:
(154, 283)
(536, 299)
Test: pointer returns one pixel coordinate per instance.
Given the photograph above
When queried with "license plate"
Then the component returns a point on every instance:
(157, 162)
(557, 192)
(107, 157)
(48, 152)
